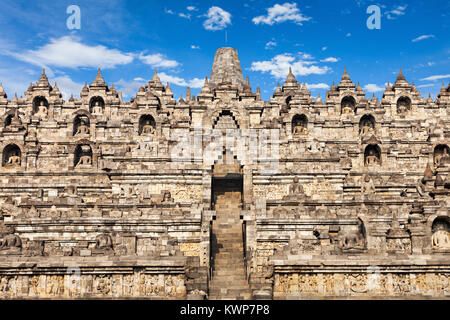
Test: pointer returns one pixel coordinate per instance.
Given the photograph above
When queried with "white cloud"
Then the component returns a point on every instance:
(430, 63)
(68, 87)
(130, 88)
(168, 11)
(348, 34)
(279, 65)
(158, 60)
(270, 45)
(371, 87)
(193, 83)
(218, 19)
(330, 59)
(306, 56)
(196, 83)
(398, 11)
(423, 37)
(314, 86)
(191, 8)
(195, 47)
(324, 48)
(184, 15)
(69, 52)
(426, 85)
(436, 77)
(282, 13)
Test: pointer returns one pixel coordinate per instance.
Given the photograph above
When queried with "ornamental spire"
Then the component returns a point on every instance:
(290, 77)
(156, 77)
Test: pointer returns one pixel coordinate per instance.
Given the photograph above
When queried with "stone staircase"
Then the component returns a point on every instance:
(228, 280)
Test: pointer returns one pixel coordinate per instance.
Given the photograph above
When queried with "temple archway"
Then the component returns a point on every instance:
(225, 120)
(227, 182)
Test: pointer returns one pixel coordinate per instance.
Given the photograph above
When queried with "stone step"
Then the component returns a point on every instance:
(225, 242)
(232, 293)
(227, 259)
(224, 256)
(228, 245)
(228, 235)
(238, 272)
(227, 224)
(228, 281)
(227, 285)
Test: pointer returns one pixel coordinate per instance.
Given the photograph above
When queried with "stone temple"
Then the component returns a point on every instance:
(224, 195)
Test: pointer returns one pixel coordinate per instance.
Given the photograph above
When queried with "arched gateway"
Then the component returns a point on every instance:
(227, 182)
(228, 256)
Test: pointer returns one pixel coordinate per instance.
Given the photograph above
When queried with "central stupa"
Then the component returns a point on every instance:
(226, 62)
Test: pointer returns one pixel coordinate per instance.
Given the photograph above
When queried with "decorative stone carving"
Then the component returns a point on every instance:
(10, 243)
(42, 110)
(85, 161)
(147, 128)
(83, 128)
(103, 242)
(296, 190)
(354, 240)
(367, 185)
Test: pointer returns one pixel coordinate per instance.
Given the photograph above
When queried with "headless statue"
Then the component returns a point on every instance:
(439, 157)
(85, 161)
(10, 241)
(441, 239)
(103, 241)
(13, 161)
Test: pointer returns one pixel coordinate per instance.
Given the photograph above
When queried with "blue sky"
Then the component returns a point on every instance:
(129, 39)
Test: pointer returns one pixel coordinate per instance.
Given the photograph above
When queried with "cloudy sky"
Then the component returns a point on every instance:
(317, 38)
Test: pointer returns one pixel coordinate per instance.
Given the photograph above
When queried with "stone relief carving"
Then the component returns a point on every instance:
(10, 243)
(103, 242)
(353, 240)
(361, 284)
